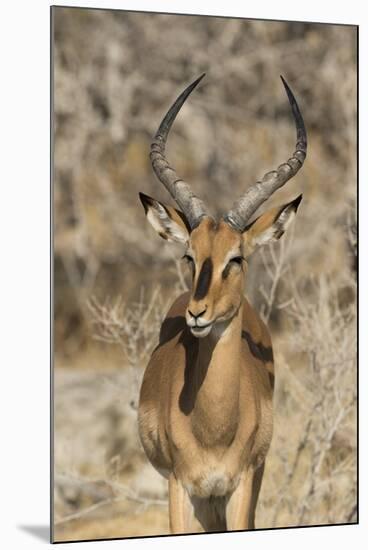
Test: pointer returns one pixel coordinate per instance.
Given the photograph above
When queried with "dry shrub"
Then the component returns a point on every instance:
(311, 470)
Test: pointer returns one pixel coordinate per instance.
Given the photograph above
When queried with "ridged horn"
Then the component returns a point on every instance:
(260, 191)
(191, 206)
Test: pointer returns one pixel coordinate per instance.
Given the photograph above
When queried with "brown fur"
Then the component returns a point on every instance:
(195, 416)
(205, 410)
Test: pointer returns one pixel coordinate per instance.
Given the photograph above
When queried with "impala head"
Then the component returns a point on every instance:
(217, 251)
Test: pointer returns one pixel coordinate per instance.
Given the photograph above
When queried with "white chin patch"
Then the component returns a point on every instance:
(201, 332)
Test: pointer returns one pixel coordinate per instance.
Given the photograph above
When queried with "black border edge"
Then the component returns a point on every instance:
(357, 272)
(205, 15)
(287, 528)
(52, 461)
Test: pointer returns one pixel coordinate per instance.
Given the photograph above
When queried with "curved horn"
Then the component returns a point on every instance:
(260, 191)
(191, 206)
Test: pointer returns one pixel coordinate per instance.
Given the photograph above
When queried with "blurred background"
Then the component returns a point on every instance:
(115, 75)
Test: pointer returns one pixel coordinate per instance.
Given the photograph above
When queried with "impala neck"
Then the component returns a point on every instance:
(216, 383)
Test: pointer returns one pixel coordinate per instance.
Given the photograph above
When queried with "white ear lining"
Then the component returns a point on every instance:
(176, 233)
(286, 218)
(165, 225)
(154, 218)
(265, 237)
(279, 227)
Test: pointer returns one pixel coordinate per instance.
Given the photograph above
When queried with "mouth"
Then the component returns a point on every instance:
(201, 332)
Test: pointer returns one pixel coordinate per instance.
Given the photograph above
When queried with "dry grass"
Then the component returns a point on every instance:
(110, 92)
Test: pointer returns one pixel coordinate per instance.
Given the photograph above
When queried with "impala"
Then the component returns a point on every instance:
(205, 407)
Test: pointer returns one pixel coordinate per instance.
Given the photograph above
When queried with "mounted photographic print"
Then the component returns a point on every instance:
(205, 266)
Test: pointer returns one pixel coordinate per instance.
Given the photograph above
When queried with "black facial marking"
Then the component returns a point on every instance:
(226, 271)
(204, 279)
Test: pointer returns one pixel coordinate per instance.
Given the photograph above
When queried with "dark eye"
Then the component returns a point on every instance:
(237, 260)
(188, 259)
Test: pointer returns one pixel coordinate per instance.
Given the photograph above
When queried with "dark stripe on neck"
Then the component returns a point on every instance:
(204, 279)
(257, 349)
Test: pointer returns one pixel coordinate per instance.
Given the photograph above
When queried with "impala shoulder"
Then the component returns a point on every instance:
(174, 322)
(256, 334)
(179, 306)
(252, 322)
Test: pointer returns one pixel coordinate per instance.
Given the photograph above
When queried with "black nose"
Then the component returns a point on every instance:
(198, 314)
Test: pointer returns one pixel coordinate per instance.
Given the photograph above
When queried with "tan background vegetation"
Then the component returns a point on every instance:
(115, 74)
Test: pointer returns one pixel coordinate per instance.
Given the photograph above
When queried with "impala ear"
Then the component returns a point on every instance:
(270, 226)
(170, 224)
